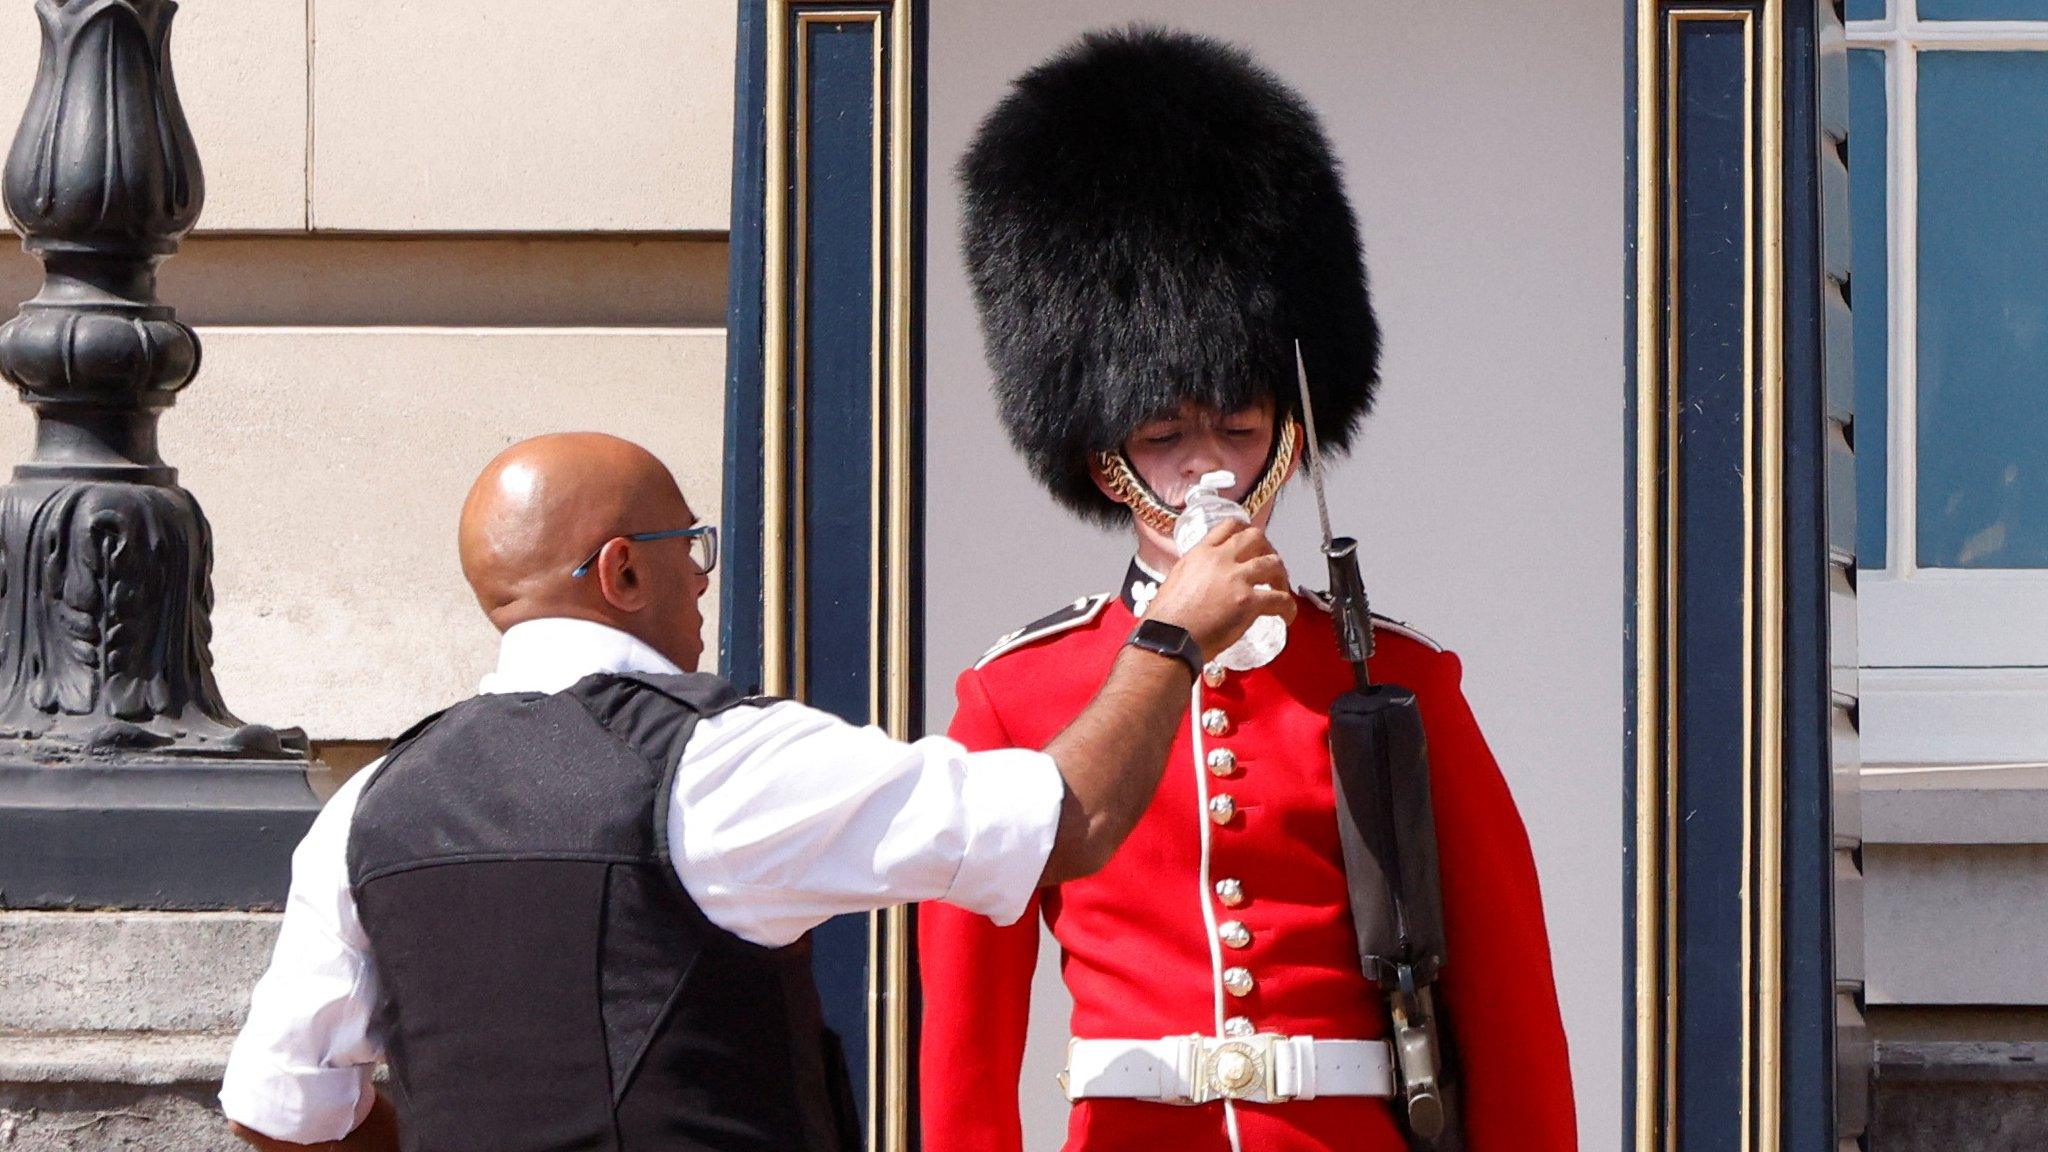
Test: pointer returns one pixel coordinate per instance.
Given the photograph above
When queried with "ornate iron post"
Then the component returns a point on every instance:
(124, 779)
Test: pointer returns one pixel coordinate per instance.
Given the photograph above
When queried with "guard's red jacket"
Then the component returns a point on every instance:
(1135, 951)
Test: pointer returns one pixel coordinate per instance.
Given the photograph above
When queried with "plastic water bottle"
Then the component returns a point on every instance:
(1206, 507)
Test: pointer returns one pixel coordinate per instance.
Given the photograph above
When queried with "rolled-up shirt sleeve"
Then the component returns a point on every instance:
(300, 1070)
(785, 816)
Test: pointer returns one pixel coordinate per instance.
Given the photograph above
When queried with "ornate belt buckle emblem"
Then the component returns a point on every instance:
(1234, 1070)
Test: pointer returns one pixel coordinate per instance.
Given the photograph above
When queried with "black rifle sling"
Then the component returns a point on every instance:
(1388, 829)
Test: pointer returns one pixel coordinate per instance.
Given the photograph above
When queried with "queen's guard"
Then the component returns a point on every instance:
(1151, 223)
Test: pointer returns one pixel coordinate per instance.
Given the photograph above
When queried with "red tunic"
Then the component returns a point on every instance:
(1134, 944)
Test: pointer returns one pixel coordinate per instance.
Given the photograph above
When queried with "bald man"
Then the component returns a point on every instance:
(572, 911)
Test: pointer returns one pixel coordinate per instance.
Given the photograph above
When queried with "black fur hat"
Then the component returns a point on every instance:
(1152, 217)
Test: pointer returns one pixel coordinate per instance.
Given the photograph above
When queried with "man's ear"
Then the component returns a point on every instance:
(618, 576)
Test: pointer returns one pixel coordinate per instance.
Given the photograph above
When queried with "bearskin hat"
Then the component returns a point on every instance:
(1152, 217)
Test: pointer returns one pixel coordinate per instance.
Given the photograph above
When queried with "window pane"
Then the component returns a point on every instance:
(1983, 9)
(1983, 325)
(1868, 9)
(1869, 295)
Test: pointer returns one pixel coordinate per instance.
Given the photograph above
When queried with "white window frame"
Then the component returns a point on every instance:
(1954, 662)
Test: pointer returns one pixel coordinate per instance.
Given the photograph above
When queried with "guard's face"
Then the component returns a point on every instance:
(1172, 453)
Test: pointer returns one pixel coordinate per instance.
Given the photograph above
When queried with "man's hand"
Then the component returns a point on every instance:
(1222, 585)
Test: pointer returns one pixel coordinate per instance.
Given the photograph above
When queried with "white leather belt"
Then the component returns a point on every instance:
(1266, 1068)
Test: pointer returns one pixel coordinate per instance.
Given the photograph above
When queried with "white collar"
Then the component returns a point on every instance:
(550, 654)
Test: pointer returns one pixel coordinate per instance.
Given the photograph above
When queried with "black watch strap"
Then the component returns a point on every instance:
(1168, 640)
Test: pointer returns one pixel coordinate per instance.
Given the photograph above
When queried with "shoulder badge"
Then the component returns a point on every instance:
(1383, 623)
(1399, 629)
(1072, 616)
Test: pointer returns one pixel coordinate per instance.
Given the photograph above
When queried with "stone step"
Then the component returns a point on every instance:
(153, 1058)
(1949, 1095)
(140, 1092)
(115, 1026)
(130, 972)
(129, 1117)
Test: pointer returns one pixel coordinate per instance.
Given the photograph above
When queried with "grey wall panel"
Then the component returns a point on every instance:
(1483, 149)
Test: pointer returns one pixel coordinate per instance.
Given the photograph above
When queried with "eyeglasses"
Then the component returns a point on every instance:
(703, 545)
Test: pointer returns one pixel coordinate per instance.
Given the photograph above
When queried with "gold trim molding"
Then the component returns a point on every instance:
(1659, 530)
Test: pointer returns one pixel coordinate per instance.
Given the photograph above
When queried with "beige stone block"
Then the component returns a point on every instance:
(531, 115)
(332, 463)
(20, 44)
(241, 67)
(241, 70)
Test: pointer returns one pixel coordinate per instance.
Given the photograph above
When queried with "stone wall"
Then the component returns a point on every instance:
(114, 1026)
(430, 230)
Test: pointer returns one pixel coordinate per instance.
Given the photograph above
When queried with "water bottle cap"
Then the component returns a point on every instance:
(1203, 508)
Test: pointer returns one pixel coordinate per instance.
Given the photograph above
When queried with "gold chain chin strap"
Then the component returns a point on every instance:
(1276, 472)
(1134, 494)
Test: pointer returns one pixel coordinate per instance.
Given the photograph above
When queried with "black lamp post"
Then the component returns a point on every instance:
(124, 779)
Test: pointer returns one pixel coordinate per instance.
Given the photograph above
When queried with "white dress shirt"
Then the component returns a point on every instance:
(786, 816)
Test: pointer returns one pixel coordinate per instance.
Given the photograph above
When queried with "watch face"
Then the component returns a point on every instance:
(1168, 640)
(1169, 636)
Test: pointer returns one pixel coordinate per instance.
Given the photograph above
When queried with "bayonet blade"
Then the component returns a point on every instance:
(1312, 450)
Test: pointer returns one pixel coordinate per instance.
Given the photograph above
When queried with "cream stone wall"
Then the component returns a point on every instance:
(460, 115)
(430, 230)
(481, 114)
(241, 69)
(332, 462)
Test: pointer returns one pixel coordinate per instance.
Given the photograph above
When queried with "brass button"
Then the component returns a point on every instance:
(1222, 809)
(1237, 981)
(1222, 762)
(1235, 934)
(1238, 1026)
(1212, 675)
(1215, 723)
(1231, 892)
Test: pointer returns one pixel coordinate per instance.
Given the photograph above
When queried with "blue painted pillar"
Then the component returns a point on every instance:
(1741, 715)
(823, 503)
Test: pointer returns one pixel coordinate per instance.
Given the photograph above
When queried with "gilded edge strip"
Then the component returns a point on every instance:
(896, 657)
(1667, 983)
(1656, 570)
(1766, 1091)
(894, 476)
(1649, 214)
(775, 362)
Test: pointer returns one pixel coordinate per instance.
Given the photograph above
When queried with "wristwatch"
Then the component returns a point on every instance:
(1168, 640)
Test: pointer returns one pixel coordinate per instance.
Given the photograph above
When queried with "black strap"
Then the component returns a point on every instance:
(1387, 824)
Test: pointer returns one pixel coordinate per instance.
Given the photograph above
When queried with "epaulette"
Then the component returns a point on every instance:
(1072, 616)
(1322, 600)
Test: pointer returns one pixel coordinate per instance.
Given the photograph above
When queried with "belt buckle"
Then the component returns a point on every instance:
(1237, 1068)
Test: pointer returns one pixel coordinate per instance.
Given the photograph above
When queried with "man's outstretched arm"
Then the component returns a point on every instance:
(785, 816)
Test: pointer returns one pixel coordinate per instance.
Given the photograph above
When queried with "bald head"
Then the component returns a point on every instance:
(544, 505)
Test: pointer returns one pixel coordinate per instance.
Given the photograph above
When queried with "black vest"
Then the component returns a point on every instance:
(548, 984)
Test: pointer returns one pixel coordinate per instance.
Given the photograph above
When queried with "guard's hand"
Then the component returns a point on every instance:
(1230, 579)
